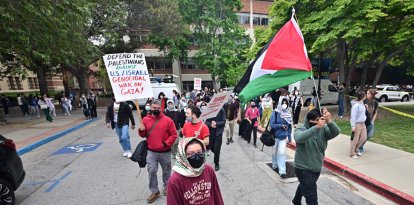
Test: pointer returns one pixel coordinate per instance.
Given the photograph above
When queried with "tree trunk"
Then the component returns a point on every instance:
(65, 82)
(41, 77)
(341, 59)
(364, 77)
(80, 74)
(383, 63)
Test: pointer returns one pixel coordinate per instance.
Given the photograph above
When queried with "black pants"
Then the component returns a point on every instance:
(215, 147)
(249, 134)
(6, 109)
(296, 113)
(307, 187)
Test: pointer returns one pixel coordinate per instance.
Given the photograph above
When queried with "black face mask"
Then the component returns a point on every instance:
(253, 106)
(311, 124)
(196, 160)
(156, 112)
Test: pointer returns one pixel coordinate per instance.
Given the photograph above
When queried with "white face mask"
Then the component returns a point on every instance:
(284, 106)
(147, 108)
(203, 107)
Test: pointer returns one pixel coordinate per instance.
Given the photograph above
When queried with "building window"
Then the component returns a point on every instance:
(261, 20)
(36, 83)
(31, 83)
(189, 64)
(158, 63)
(10, 83)
(18, 83)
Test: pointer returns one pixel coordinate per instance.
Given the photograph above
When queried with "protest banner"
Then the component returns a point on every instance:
(197, 83)
(215, 104)
(128, 75)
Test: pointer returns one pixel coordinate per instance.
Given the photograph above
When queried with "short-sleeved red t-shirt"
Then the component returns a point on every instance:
(190, 129)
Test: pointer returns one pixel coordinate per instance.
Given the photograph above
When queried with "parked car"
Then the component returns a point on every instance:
(391, 93)
(11, 171)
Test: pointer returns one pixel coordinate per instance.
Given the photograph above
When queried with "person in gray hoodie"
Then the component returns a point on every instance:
(311, 143)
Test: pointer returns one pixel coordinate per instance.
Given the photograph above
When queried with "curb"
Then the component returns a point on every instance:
(368, 182)
(57, 135)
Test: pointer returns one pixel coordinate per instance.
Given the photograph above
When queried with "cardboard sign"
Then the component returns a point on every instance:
(197, 83)
(215, 104)
(128, 74)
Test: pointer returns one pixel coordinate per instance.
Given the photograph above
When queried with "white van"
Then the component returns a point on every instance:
(329, 93)
(157, 87)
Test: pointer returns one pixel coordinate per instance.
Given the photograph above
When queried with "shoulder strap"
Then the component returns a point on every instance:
(153, 125)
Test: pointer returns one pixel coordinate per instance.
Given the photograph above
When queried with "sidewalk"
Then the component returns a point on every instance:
(25, 132)
(385, 170)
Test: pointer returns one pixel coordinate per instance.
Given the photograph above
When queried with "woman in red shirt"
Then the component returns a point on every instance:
(193, 182)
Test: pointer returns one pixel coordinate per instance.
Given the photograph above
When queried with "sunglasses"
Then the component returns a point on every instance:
(193, 155)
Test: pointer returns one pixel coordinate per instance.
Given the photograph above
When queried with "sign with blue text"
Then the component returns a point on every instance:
(128, 75)
(80, 148)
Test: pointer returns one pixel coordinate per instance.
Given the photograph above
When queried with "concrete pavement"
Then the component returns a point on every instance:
(385, 167)
(382, 169)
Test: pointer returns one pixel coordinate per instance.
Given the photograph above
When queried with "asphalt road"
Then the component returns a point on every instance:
(103, 176)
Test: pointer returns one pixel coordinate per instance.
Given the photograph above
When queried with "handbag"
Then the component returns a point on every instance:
(140, 153)
(267, 137)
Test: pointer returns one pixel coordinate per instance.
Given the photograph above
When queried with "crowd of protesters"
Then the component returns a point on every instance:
(33, 105)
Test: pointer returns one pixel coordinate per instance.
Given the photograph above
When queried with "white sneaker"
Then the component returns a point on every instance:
(125, 154)
(129, 154)
(359, 153)
(355, 157)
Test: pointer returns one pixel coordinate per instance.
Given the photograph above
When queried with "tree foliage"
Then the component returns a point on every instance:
(370, 34)
(217, 33)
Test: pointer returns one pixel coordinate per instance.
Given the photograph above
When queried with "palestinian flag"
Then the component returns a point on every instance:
(283, 61)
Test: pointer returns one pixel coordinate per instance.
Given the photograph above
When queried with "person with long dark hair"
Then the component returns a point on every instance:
(296, 104)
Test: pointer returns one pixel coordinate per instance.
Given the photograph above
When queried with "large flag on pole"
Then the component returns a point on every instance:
(283, 61)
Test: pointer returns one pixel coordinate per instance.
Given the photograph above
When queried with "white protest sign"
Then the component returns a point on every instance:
(197, 83)
(128, 74)
(215, 104)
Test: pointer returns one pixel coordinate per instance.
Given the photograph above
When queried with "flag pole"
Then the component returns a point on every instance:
(317, 93)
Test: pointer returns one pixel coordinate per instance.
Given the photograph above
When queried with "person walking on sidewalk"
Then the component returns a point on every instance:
(252, 115)
(297, 104)
(216, 128)
(44, 103)
(267, 107)
(371, 105)
(190, 174)
(281, 122)
(160, 132)
(65, 105)
(173, 113)
(359, 129)
(341, 100)
(311, 143)
(118, 116)
(84, 104)
(232, 109)
(194, 127)
(33, 107)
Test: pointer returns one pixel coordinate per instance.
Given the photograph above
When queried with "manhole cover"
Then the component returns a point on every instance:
(290, 169)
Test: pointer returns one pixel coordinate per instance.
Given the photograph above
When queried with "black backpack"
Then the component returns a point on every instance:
(140, 154)
(268, 137)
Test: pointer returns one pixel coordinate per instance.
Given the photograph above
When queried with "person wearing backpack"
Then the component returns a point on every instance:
(281, 123)
(160, 132)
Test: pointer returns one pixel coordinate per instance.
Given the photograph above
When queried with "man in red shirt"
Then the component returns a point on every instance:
(194, 127)
(161, 134)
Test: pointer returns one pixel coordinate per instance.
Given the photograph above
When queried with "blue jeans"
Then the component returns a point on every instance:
(370, 133)
(123, 134)
(341, 103)
(278, 155)
(307, 187)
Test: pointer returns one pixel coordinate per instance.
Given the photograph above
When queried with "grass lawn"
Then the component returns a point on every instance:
(390, 129)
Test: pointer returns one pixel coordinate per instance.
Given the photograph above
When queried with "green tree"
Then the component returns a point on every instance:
(217, 33)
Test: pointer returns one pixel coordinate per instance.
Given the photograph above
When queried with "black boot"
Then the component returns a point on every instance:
(228, 141)
(231, 139)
